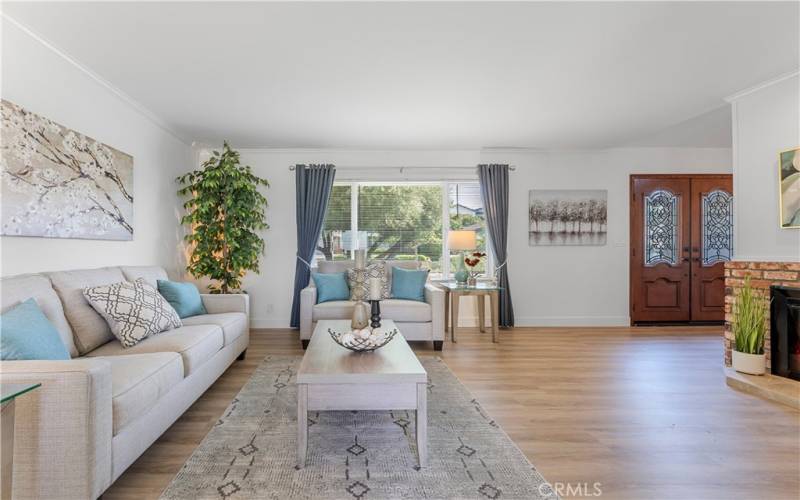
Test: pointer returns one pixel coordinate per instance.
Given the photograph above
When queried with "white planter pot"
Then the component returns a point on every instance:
(754, 364)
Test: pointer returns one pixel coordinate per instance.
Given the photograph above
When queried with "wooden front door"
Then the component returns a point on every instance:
(681, 234)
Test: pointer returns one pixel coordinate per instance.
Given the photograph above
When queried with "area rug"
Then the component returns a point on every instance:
(251, 451)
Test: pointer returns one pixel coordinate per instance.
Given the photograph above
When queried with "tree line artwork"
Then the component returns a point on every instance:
(567, 217)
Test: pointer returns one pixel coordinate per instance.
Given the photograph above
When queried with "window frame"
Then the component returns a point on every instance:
(446, 273)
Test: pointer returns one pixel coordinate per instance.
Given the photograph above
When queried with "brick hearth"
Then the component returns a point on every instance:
(762, 276)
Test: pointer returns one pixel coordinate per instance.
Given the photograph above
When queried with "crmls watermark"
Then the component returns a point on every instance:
(548, 490)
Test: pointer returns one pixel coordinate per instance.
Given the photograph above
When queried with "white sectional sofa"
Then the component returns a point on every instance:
(97, 412)
(416, 320)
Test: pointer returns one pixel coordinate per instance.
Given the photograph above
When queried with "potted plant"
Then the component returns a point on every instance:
(472, 262)
(749, 329)
(225, 212)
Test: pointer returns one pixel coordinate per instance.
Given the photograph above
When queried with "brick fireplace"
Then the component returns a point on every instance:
(762, 276)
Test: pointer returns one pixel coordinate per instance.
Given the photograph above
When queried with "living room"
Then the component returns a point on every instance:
(567, 234)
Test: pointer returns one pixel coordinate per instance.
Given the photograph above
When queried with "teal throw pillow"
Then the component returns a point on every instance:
(331, 287)
(409, 284)
(183, 297)
(27, 334)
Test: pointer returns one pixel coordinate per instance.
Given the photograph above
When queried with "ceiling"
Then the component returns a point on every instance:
(424, 75)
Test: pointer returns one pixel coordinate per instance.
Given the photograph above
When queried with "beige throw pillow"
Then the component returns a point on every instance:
(358, 279)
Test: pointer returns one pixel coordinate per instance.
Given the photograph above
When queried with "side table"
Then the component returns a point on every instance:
(8, 393)
(453, 293)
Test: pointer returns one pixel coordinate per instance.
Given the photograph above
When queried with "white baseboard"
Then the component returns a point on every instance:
(472, 321)
(269, 323)
(572, 321)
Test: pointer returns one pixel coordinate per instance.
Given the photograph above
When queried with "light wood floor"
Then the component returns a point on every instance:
(644, 412)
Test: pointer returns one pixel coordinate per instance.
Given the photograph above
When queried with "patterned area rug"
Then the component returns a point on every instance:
(361, 455)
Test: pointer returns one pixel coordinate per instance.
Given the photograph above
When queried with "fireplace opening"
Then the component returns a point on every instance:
(785, 331)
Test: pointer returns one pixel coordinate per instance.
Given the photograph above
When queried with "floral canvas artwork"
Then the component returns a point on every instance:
(59, 183)
(789, 175)
(562, 217)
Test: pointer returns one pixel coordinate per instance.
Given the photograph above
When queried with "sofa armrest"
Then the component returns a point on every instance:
(63, 429)
(308, 297)
(435, 297)
(216, 303)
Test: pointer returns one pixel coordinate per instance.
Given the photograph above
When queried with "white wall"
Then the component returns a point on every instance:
(551, 286)
(41, 80)
(765, 121)
(584, 285)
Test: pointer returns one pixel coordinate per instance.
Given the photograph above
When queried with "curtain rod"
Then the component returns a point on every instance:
(354, 167)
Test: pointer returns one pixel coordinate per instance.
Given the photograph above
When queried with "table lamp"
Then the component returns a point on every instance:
(462, 240)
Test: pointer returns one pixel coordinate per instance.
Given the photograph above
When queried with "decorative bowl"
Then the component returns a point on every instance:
(354, 341)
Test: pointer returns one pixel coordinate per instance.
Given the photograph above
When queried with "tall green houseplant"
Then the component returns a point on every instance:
(224, 212)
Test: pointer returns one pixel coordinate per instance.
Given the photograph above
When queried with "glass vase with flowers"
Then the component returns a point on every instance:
(472, 261)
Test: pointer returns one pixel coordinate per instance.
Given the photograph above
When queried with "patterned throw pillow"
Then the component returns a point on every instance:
(359, 280)
(132, 310)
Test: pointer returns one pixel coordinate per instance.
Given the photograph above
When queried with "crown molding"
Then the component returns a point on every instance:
(755, 88)
(127, 99)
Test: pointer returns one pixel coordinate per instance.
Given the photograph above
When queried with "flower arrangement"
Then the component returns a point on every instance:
(472, 262)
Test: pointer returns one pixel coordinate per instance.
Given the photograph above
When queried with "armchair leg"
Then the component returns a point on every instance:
(242, 355)
(304, 342)
(437, 345)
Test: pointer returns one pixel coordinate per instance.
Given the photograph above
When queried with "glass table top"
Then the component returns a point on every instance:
(11, 391)
(481, 285)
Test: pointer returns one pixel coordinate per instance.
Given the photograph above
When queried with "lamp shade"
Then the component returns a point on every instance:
(462, 240)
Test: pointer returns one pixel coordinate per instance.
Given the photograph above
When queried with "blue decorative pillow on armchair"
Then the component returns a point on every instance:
(409, 284)
(331, 287)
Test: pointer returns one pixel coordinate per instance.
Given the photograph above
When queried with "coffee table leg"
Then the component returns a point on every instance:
(422, 424)
(302, 424)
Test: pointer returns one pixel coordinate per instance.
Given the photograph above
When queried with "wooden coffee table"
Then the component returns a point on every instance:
(334, 378)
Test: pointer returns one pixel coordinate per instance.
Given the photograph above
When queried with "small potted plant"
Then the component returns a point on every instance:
(749, 329)
(472, 262)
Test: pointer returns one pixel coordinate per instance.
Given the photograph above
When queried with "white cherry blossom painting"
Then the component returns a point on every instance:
(58, 183)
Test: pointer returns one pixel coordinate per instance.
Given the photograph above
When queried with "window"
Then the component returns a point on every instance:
(401, 221)
(466, 212)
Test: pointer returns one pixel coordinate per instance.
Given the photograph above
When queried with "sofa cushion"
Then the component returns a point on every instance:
(151, 274)
(196, 344)
(138, 381)
(359, 280)
(341, 266)
(233, 324)
(88, 327)
(331, 287)
(134, 311)
(183, 297)
(17, 289)
(396, 309)
(409, 284)
(27, 334)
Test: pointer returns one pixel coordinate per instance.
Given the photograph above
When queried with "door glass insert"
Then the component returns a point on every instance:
(661, 223)
(717, 220)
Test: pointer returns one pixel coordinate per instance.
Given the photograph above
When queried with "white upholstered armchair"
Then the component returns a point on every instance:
(416, 320)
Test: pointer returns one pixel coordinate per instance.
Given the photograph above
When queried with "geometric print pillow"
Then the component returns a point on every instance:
(132, 310)
(358, 279)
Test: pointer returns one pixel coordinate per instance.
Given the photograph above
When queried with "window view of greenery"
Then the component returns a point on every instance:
(466, 212)
(337, 222)
(400, 221)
